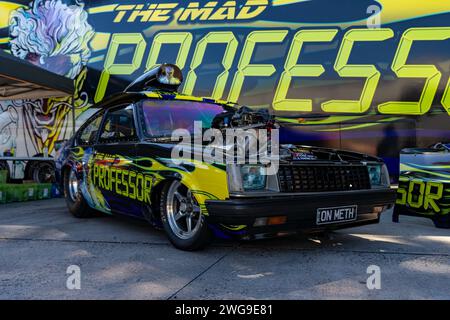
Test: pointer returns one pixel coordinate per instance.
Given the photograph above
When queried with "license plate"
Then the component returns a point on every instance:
(336, 214)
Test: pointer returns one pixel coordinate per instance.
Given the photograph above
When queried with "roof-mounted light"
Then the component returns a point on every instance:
(167, 77)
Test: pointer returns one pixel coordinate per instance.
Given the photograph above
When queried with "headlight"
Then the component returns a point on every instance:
(374, 175)
(253, 178)
(378, 175)
(250, 178)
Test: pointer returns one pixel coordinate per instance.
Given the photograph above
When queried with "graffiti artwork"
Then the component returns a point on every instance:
(350, 74)
(55, 36)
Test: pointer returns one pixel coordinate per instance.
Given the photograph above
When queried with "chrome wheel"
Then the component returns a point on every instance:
(183, 212)
(73, 186)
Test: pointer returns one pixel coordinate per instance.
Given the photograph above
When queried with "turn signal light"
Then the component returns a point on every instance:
(378, 209)
(276, 220)
(270, 221)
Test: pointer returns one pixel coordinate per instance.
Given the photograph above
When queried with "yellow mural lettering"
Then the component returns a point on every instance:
(144, 13)
(194, 12)
(110, 67)
(245, 69)
(430, 73)
(292, 69)
(163, 11)
(369, 72)
(213, 37)
(182, 38)
(252, 9)
(446, 98)
(220, 11)
(121, 12)
(227, 12)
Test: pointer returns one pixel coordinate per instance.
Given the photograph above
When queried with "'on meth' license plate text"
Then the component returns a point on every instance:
(336, 214)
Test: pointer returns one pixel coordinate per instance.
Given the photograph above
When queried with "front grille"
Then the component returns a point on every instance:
(318, 178)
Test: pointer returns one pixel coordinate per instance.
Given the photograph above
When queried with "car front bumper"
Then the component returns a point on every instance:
(300, 210)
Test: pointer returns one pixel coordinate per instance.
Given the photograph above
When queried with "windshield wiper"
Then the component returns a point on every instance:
(160, 139)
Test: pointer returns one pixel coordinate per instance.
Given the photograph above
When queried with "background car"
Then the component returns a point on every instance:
(424, 185)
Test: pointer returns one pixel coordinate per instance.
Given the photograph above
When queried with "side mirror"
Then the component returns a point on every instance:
(59, 144)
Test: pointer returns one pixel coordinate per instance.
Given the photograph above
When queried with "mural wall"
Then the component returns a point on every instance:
(55, 36)
(364, 75)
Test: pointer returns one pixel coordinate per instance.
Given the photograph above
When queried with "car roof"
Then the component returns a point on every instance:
(131, 97)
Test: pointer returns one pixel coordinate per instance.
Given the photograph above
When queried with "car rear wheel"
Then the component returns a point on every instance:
(182, 218)
(75, 201)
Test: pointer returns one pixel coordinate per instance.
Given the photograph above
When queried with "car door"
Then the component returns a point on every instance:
(113, 166)
(80, 155)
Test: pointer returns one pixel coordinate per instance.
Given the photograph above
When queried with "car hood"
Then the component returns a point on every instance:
(288, 153)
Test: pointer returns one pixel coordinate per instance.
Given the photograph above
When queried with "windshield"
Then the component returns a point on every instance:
(162, 117)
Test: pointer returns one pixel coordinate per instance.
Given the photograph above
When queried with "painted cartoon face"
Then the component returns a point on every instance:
(54, 36)
(8, 128)
(45, 119)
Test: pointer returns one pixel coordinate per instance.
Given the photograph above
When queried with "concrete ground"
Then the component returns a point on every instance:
(121, 258)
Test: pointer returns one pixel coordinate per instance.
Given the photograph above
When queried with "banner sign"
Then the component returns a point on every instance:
(366, 75)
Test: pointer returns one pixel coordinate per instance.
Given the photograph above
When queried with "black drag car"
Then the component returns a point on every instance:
(120, 162)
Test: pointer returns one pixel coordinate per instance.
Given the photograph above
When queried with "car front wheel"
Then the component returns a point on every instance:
(182, 218)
